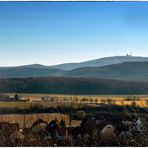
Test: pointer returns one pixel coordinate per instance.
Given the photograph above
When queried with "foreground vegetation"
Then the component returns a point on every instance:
(84, 126)
(25, 119)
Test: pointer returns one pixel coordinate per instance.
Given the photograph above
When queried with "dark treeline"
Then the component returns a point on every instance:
(63, 85)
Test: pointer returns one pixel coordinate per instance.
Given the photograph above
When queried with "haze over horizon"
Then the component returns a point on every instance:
(52, 33)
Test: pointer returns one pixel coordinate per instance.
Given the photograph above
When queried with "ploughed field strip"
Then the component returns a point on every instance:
(102, 129)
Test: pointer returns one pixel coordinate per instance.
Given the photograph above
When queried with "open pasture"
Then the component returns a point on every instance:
(53, 100)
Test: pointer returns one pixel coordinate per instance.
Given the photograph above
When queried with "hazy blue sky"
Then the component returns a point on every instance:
(59, 32)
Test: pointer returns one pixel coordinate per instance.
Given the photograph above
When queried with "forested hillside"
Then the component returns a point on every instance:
(62, 85)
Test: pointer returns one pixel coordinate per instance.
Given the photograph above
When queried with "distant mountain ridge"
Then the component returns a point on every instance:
(37, 66)
(29, 71)
(128, 71)
(91, 63)
(101, 62)
(118, 68)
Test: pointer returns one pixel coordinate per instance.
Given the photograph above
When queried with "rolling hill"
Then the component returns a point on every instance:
(101, 62)
(127, 71)
(28, 71)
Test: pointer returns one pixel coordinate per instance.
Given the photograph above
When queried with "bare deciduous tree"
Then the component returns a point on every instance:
(103, 101)
(133, 103)
(109, 101)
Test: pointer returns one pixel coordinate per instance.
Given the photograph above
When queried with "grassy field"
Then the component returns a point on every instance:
(61, 100)
(56, 100)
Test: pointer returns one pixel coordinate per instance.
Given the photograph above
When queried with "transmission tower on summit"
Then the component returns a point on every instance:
(129, 55)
